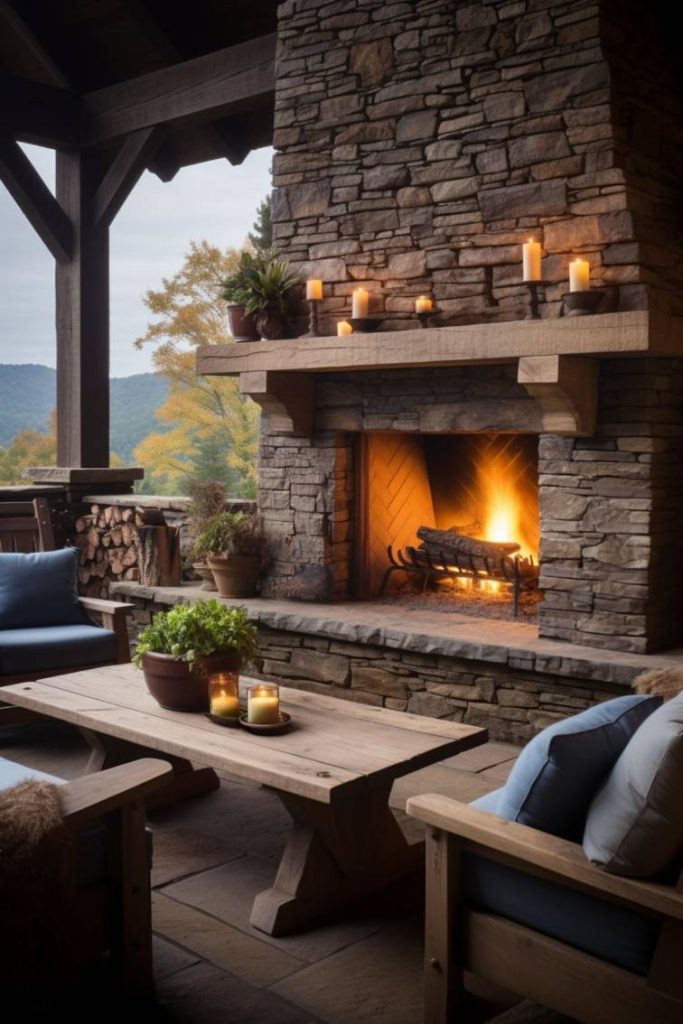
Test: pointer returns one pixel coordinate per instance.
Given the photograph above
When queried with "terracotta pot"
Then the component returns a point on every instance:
(202, 570)
(177, 687)
(242, 325)
(235, 576)
(270, 324)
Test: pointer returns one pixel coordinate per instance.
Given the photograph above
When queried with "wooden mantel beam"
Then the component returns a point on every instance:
(34, 198)
(204, 88)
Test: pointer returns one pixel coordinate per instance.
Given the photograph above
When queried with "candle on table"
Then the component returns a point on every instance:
(344, 328)
(579, 275)
(314, 290)
(423, 304)
(531, 261)
(224, 698)
(263, 705)
(359, 304)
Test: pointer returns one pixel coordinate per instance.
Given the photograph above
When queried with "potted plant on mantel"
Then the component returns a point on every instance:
(232, 544)
(180, 648)
(236, 293)
(264, 282)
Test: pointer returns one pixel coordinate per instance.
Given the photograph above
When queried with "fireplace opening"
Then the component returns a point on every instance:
(449, 520)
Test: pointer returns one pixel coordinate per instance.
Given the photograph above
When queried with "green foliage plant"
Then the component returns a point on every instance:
(191, 632)
(230, 533)
(262, 281)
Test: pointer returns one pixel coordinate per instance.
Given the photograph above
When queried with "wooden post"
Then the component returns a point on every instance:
(443, 973)
(82, 308)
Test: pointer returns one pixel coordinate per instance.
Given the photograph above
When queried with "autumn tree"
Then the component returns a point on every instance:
(28, 448)
(211, 431)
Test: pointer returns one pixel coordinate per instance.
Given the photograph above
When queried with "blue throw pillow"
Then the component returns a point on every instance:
(39, 589)
(558, 773)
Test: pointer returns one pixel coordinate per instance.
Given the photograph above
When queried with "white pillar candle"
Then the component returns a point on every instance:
(579, 275)
(359, 304)
(263, 705)
(531, 261)
(423, 304)
(314, 290)
(344, 328)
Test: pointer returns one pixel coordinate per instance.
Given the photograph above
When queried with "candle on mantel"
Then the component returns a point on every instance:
(344, 328)
(531, 261)
(224, 698)
(314, 290)
(359, 304)
(579, 275)
(423, 304)
(263, 705)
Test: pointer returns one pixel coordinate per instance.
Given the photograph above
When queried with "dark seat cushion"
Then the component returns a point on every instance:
(54, 647)
(39, 589)
(610, 932)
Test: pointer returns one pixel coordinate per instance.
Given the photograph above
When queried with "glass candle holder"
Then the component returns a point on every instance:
(263, 704)
(224, 699)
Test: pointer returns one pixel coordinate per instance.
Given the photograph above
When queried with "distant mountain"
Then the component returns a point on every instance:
(28, 396)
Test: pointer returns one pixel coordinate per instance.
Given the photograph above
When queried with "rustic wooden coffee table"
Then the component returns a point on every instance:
(333, 772)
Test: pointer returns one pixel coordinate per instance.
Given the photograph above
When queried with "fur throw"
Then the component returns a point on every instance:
(665, 682)
(37, 885)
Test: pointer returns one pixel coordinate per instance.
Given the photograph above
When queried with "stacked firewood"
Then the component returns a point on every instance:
(124, 543)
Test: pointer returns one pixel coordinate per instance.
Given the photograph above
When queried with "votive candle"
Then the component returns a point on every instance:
(531, 261)
(224, 701)
(314, 290)
(423, 304)
(359, 304)
(579, 275)
(344, 328)
(263, 704)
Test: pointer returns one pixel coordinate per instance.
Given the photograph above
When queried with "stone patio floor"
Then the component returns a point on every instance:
(214, 853)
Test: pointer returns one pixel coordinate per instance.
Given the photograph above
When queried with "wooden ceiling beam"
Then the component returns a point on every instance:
(32, 195)
(201, 89)
(39, 113)
(27, 42)
(128, 165)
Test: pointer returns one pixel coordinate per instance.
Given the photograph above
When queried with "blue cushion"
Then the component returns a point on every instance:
(53, 647)
(558, 773)
(610, 932)
(39, 589)
(488, 802)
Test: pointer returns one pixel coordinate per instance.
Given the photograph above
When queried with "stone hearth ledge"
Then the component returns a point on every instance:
(450, 635)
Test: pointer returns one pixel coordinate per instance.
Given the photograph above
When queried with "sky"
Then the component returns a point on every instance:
(151, 234)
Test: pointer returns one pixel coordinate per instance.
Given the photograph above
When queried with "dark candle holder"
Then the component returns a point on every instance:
(533, 286)
(426, 316)
(364, 324)
(313, 329)
(584, 303)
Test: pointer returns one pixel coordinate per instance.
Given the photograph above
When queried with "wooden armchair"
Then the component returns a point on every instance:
(25, 526)
(461, 937)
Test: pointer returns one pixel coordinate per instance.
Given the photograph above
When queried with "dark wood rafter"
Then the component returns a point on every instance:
(34, 198)
(204, 88)
(131, 160)
(24, 39)
(39, 113)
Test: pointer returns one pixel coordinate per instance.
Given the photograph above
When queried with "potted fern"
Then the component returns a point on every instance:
(232, 544)
(236, 293)
(268, 281)
(180, 648)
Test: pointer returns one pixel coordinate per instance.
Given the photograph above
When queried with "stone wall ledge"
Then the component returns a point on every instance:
(514, 644)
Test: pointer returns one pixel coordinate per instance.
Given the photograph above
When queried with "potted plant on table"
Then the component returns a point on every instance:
(180, 648)
(232, 543)
(266, 284)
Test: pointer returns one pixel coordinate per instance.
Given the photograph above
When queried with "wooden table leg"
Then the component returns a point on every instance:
(336, 853)
(108, 751)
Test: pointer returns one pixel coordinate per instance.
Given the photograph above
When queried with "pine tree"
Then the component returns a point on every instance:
(261, 237)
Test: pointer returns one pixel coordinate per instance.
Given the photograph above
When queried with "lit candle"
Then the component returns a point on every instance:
(314, 290)
(359, 304)
(531, 261)
(423, 304)
(579, 275)
(263, 705)
(224, 698)
(344, 328)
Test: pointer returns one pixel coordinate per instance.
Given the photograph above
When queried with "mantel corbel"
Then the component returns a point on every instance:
(288, 398)
(566, 389)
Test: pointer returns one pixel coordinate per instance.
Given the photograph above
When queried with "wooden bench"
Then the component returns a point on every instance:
(333, 771)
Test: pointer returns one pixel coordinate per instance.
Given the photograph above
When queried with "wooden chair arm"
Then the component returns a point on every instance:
(538, 853)
(114, 614)
(94, 796)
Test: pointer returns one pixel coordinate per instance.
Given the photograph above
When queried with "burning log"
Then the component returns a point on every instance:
(449, 544)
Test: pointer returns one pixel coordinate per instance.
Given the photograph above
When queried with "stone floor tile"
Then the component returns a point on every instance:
(228, 892)
(179, 852)
(169, 958)
(480, 758)
(255, 961)
(382, 980)
(438, 778)
(498, 774)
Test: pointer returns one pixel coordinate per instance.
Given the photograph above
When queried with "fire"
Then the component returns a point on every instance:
(503, 502)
